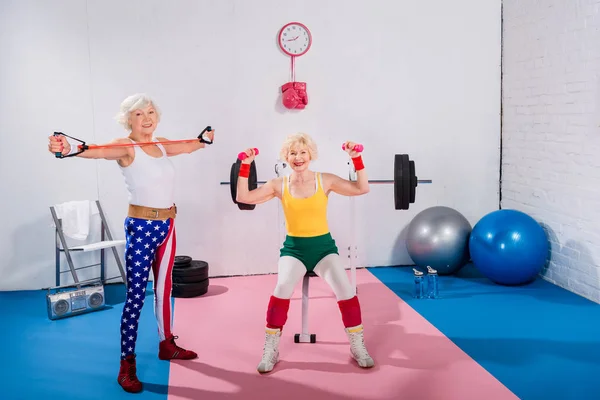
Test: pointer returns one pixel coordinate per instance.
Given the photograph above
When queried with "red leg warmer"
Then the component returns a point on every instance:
(277, 312)
(351, 314)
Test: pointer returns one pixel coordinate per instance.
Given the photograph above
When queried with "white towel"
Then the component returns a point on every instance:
(75, 217)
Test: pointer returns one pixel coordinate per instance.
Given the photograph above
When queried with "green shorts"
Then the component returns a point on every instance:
(309, 250)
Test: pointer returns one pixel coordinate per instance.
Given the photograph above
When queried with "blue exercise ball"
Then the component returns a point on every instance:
(508, 247)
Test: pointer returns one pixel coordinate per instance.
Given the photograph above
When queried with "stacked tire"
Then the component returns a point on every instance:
(190, 277)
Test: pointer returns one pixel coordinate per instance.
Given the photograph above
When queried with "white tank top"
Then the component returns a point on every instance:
(150, 181)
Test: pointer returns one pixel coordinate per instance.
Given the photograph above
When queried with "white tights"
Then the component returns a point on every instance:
(330, 268)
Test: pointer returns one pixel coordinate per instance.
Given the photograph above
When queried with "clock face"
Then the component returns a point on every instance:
(294, 39)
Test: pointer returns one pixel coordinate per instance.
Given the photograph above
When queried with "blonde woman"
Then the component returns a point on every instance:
(309, 245)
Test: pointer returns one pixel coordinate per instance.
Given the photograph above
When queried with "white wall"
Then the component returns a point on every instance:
(550, 163)
(401, 77)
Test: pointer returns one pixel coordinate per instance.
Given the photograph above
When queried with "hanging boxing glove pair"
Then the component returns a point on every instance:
(294, 95)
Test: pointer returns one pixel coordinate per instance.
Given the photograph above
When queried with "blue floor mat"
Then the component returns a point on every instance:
(539, 340)
(76, 357)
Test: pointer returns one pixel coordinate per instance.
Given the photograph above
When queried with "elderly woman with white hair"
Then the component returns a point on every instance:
(308, 245)
(150, 223)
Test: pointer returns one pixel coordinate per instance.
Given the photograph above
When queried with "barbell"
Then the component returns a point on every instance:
(405, 181)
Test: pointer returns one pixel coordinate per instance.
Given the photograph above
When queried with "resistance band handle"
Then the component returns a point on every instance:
(358, 147)
(243, 155)
(82, 147)
(58, 155)
(201, 135)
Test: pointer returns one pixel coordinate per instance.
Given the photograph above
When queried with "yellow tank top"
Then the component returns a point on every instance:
(305, 217)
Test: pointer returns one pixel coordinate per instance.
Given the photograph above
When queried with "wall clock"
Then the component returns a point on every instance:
(294, 39)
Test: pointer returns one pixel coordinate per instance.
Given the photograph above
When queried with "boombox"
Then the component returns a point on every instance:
(75, 302)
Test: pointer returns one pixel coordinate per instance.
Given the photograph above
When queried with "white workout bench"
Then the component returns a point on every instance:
(305, 336)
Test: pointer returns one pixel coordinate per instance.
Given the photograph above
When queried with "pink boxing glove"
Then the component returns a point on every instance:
(301, 90)
(290, 98)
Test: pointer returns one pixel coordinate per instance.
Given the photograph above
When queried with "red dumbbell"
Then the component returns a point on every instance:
(358, 147)
(243, 155)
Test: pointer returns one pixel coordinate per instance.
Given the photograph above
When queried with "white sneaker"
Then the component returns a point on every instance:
(357, 347)
(270, 355)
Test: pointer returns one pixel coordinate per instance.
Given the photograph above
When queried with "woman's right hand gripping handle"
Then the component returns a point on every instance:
(58, 145)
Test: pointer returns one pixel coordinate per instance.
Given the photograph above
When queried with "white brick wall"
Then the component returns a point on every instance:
(551, 138)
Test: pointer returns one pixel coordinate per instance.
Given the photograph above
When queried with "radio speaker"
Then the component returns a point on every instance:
(75, 302)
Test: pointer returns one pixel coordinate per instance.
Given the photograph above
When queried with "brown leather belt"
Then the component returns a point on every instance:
(152, 213)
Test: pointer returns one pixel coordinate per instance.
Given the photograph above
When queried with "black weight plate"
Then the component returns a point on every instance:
(252, 183)
(190, 289)
(182, 261)
(397, 182)
(413, 182)
(401, 181)
(406, 181)
(190, 278)
(253, 178)
(233, 175)
(198, 271)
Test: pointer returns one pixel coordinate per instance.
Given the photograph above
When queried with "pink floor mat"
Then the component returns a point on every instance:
(413, 360)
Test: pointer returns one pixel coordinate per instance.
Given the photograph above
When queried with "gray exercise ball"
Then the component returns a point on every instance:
(439, 237)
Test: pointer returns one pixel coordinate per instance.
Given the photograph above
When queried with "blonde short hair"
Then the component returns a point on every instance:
(299, 139)
(132, 103)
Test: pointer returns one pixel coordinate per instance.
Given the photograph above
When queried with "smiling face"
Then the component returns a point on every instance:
(298, 150)
(298, 157)
(143, 120)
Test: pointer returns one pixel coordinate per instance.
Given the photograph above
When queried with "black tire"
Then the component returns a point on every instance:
(187, 290)
(196, 272)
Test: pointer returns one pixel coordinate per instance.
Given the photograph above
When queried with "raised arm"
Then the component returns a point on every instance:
(345, 187)
(259, 195)
(174, 149)
(59, 144)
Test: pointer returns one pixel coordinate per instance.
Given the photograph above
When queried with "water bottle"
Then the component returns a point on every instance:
(432, 283)
(419, 288)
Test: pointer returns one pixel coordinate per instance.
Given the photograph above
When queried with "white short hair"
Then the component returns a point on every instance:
(134, 102)
(296, 140)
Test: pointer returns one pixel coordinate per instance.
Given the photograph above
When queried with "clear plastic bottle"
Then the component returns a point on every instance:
(432, 283)
(419, 284)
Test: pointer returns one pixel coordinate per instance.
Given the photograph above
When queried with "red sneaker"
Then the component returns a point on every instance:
(127, 377)
(168, 350)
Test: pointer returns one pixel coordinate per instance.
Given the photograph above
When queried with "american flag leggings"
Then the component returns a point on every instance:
(150, 245)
